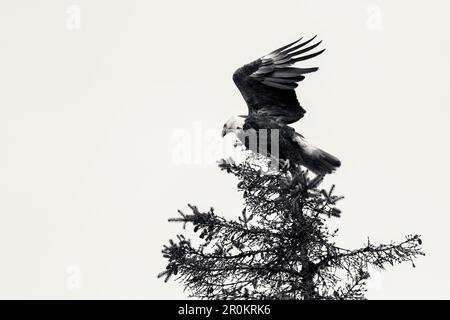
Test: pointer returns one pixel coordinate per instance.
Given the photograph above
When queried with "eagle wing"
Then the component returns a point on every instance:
(268, 83)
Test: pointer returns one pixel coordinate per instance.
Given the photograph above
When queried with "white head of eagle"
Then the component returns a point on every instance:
(268, 87)
(233, 124)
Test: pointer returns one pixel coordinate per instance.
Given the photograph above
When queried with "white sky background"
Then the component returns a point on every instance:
(87, 118)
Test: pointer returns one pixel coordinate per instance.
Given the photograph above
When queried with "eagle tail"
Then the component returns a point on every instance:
(324, 163)
(315, 159)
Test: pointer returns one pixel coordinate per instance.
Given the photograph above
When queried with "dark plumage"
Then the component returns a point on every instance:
(268, 87)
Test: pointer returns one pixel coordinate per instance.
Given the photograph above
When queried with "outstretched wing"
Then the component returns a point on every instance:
(268, 84)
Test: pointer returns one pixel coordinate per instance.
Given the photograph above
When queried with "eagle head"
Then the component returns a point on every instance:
(233, 124)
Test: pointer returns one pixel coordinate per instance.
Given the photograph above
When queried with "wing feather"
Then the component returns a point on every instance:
(264, 70)
(267, 84)
(286, 46)
(312, 55)
(300, 45)
(283, 86)
(299, 52)
(286, 80)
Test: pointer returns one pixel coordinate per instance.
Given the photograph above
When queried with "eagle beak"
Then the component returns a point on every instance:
(224, 132)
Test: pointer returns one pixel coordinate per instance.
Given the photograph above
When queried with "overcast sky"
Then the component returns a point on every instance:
(95, 96)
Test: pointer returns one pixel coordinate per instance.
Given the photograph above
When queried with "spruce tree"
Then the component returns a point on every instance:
(279, 247)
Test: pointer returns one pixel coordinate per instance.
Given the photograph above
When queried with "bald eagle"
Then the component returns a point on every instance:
(268, 87)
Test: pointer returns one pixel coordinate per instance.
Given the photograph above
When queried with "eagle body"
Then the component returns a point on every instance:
(268, 87)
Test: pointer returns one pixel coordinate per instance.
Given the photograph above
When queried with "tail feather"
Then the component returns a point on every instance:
(324, 163)
(315, 159)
